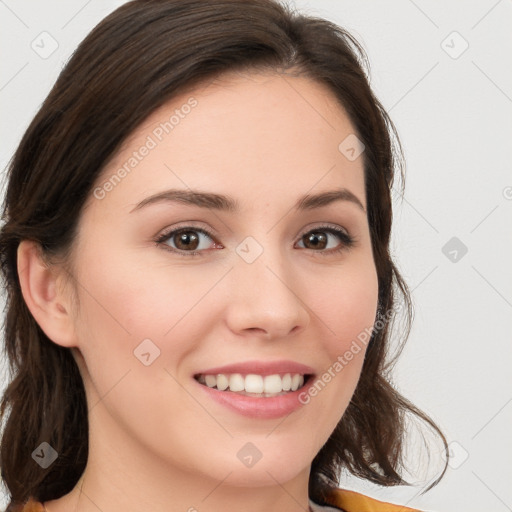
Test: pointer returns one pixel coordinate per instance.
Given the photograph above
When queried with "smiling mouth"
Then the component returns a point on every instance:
(255, 385)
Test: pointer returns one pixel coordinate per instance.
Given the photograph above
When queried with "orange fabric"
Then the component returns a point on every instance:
(31, 506)
(350, 501)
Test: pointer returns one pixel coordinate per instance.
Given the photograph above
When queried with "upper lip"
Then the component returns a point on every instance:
(259, 368)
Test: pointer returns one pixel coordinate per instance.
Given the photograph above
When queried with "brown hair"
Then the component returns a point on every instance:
(135, 60)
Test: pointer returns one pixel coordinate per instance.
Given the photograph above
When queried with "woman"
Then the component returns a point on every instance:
(198, 276)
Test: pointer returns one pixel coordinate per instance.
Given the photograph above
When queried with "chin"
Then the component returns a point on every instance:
(264, 476)
(279, 464)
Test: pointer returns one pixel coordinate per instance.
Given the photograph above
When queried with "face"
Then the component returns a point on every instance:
(173, 288)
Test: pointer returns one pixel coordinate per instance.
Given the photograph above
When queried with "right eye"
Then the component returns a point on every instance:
(185, 241)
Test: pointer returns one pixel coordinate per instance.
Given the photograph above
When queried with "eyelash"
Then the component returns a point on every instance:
(347, 241)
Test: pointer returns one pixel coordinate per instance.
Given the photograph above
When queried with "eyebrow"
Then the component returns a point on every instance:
(225, 203)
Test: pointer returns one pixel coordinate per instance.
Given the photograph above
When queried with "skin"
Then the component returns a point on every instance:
(156, 442)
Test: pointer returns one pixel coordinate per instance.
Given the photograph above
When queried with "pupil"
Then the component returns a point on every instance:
(187, 240)
(317, 239)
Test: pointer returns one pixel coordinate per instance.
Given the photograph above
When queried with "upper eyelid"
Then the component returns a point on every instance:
(209, 232)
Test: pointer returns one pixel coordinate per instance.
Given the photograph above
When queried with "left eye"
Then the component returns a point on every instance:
(319, 239)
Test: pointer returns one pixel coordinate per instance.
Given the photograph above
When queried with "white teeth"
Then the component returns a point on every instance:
(210, 380)
(222, 382)
(253, 384)
(268, 385)
(236, 382)
(296, 382)
(272, 384)
(287, 382)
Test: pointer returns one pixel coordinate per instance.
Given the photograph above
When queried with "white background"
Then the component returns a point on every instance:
(454, 120)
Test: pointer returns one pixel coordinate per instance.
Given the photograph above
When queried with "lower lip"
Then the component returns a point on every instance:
(258, 407)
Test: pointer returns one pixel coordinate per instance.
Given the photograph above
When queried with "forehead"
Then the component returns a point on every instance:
(248, 135)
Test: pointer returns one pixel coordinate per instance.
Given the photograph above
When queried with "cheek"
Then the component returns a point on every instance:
(139, 320)
(136, 300)
(136, 324)
(348, 303)
(347, 311)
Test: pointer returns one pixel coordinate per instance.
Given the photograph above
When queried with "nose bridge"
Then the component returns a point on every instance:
(265, 296)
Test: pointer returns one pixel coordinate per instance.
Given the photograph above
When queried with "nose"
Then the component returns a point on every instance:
(268, 298)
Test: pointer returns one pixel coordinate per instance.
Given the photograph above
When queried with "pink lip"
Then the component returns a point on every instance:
(260, 368)
(259, 407)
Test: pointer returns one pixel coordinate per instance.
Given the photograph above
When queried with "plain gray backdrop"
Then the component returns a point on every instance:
(440, 69)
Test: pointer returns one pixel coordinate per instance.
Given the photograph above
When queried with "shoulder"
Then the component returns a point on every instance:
(351, 501)
(31, 505)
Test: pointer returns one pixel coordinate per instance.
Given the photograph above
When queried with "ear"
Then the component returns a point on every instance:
(49, 306)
